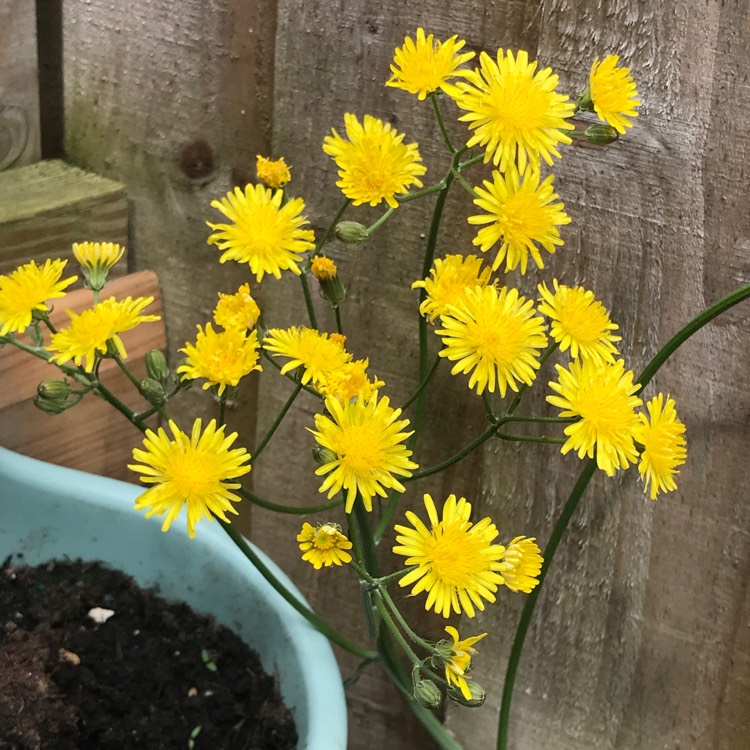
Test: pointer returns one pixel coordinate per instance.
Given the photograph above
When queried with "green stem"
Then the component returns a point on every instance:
(381, 220)
(422, 385)
(308, 301)
(331, 227)
(294, 510)
(222, 408)
(339, 326)
(263, 443)
(385, 616)
(530, 439)
(421, 642)
(441, 124)
(289, 375)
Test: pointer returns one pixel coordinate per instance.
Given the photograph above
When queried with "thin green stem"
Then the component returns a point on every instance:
(279, 418)
(409, 401)
(379, 223)
(540, 420)
(530, 439)
(222, 408)
(103, 392)
(523, 387)
(339, 325)
(308, 301)
(466, 185)
(441, 123)
(385, 616)
(488, 408)
(294, 510)
(331, 227)
(290, 375)
(421, 642)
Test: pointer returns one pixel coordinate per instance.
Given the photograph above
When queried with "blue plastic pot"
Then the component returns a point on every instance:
(48, 512)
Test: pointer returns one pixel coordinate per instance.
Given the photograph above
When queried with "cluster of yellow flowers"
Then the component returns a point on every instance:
(489, 331)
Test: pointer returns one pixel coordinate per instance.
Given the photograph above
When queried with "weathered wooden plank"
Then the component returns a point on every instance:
(46, 207)
(19, 88)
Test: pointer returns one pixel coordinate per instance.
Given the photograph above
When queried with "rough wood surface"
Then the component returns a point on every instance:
(19, 89)
(91, 436)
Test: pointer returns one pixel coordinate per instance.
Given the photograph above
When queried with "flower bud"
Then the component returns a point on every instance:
(351, 232)
(153, 391)
(52, 406)
(477, 695)
(324, 270)
(427, 693)
(53, 390)
(323, 455)
(585, 101)
(156, 365)
(601, 135)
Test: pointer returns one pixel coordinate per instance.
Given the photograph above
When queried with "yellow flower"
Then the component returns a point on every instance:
(664, 446)
(521, 565)
(237, 310)
(324, 545)
(223, 358)
(457, 564)
(517, 115)
(374, 163)
(318, 353)
(275, 174)
(349, 381)
(427, 65)
(613, 93)
(521, 215)
(496, 336)
(92, 330)
(448, 281)
(579, 322)
(265, 234)
(189, 471)
(603, 397)
(96, 258)
(367, 440)
(323, 268)
(457, 660)
(26, 290)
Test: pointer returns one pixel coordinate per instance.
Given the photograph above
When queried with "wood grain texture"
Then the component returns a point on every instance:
(20, 141)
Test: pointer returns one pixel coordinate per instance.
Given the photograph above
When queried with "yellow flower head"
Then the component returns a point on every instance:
(92, 330)
(367, 439)
(579, 322)
(192, 472)
(323, 268)
(27, 289)
(96, 258)
(324, 544)
(349, 381)
(521, 565)
(427, 65)
(521, 214)
(603, 397)
(237, 310)
(495, 335)
(264, 234)
(662, 436)
(457, 659)
(457, 563)
(514, 111)
(275, 174)
(223, 358)
(613, 93)
(448, 281)
(374, 163)
(318, 353)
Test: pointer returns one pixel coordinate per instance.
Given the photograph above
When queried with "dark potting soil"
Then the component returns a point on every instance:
(154, 675)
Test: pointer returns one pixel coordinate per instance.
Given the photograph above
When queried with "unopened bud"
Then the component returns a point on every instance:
(477, 695)
(153, 391)
(52, 406)
(53, 390)
(427, 693)
(601, 135)
(323, 455)
(156, 365)
(324, 270)
(351, 232)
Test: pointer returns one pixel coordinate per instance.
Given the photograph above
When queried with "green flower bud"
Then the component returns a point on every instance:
(477, 695)
(601, 135)
(323, 455)
(427, 693)
(585, 101)
(156, 366)
(351, 232)
(52, 406)
(54, 390)
(153, 391)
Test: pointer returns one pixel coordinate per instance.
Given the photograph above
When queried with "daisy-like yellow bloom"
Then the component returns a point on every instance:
(579, 322)
(613, 93)
(457, 563)
(192, 472)
(426, 65)
(96, 258)
(662, 436)
(237, 310)
(317, 353)
(374, 163)
(515, 112)
(521, 215)
(496, 336)
(324, 544)
(94, 329)
(26, 290)
(368, 442)
(323, 268)
(349, 381)
(457, 660)
(521, 564)
(275, 174)
(223, 358)
(603, 397)
(263, 233)
(448, 281)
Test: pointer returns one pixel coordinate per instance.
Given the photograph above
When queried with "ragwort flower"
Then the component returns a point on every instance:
(263, 233)
(192, 472)
(368, 442)
(457, 659)
(324, 544)
(374, 163)
(275, 174)
(521, 564)
(521, 215)
(514, 111)
(426, 65)
(96, 258)
(457, 563)
(494, 335)
(603, 397)
(238, 310)
(349, 381)
(662, 436)
(27, 290)
(613, 93)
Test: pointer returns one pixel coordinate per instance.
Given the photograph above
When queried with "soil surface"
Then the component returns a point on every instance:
(150, 674)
